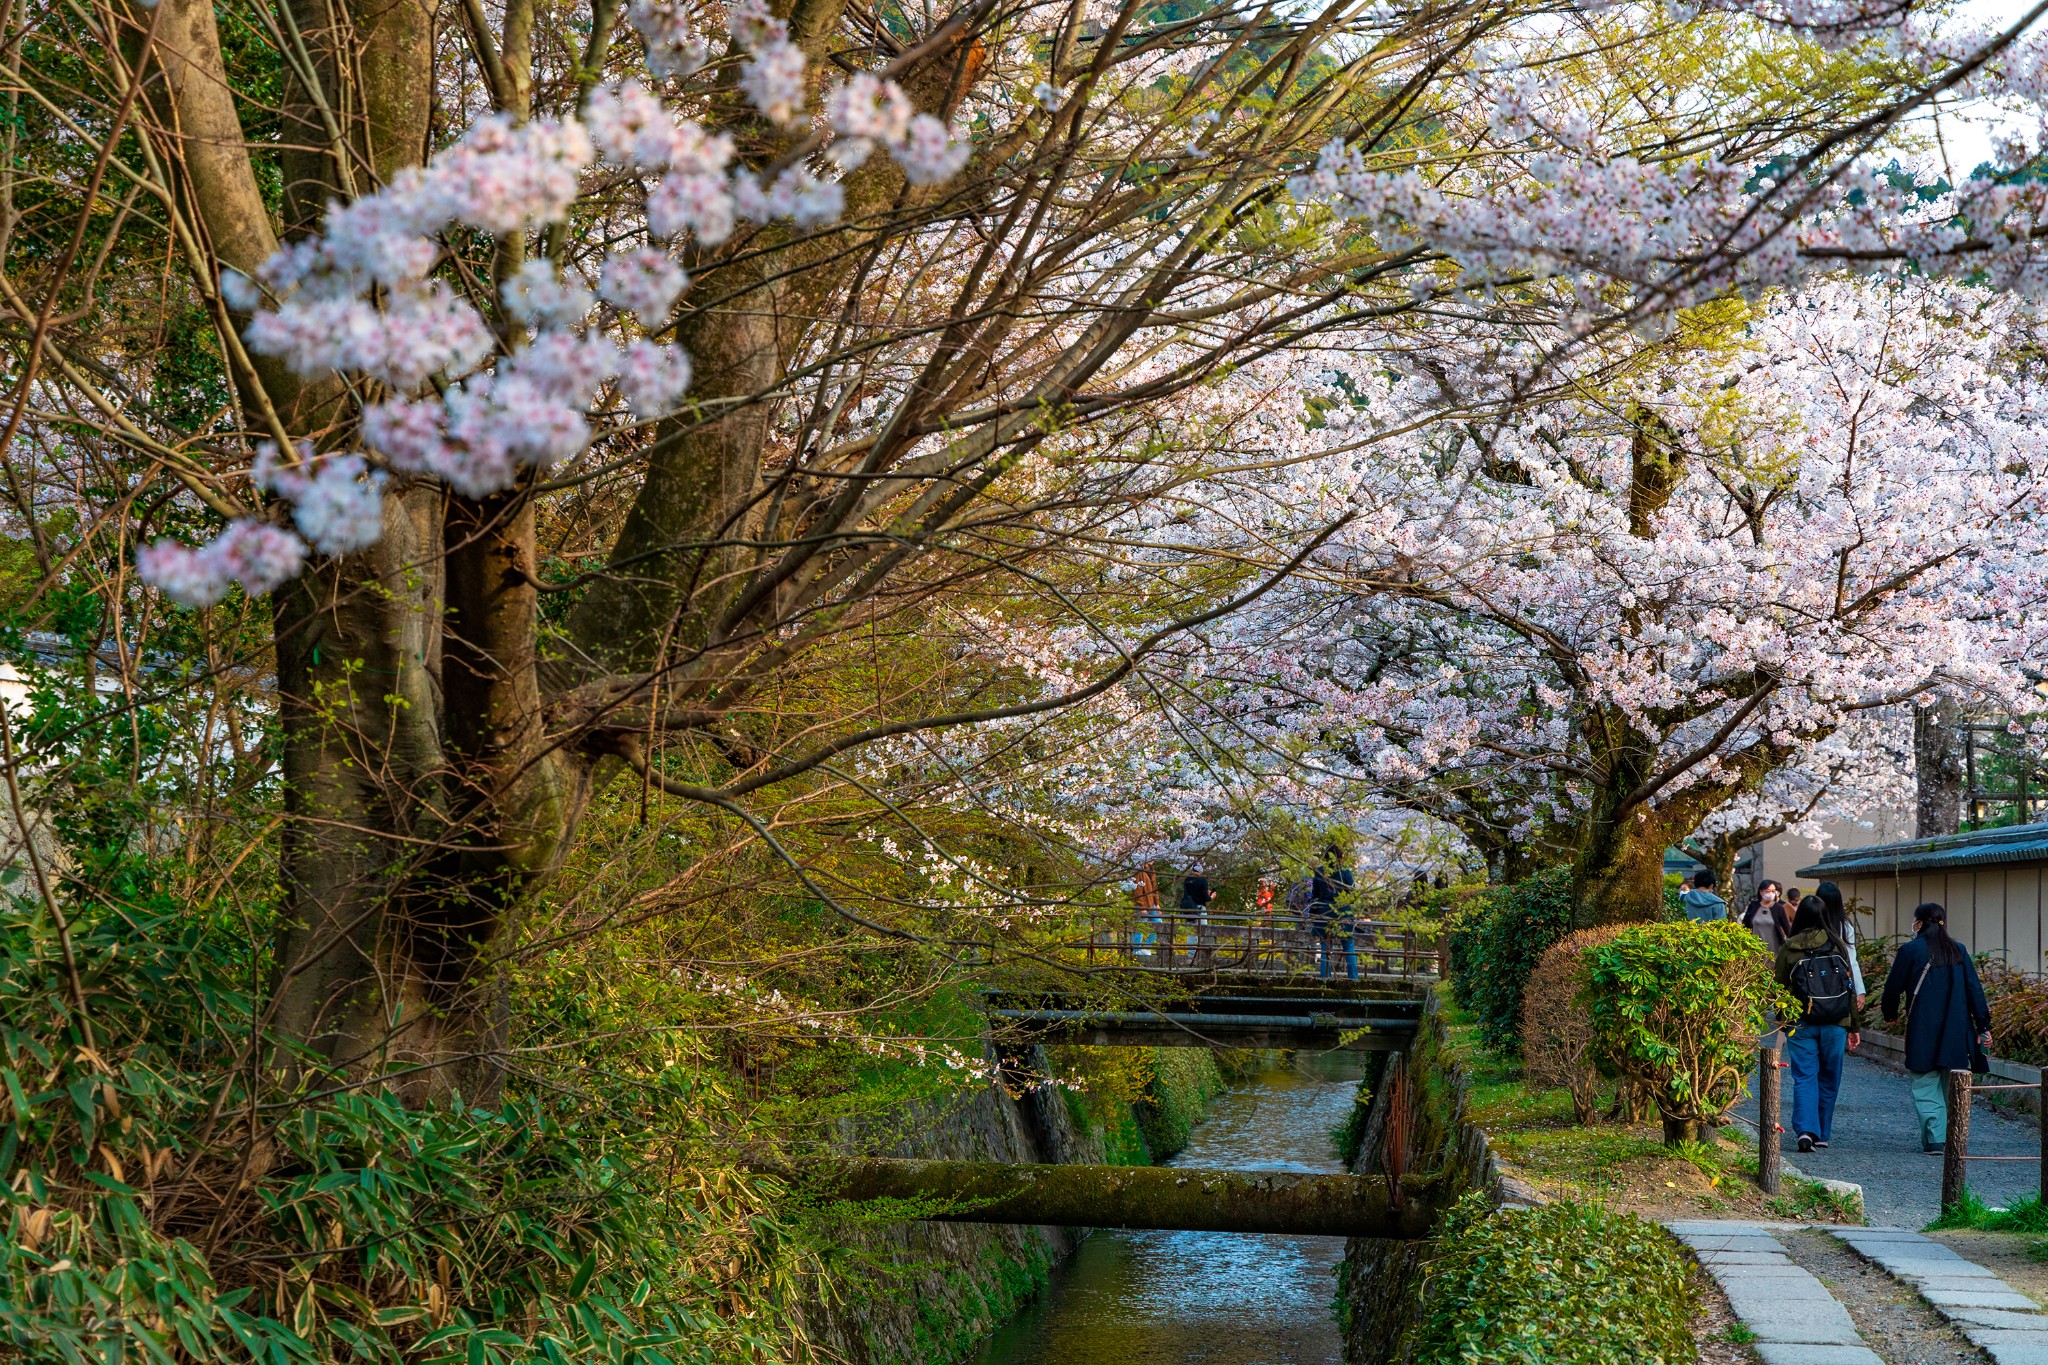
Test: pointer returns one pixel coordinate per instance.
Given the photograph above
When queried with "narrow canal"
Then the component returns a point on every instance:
(1209, 1298)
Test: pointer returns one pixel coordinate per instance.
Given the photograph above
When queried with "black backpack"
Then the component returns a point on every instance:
(1824, 984)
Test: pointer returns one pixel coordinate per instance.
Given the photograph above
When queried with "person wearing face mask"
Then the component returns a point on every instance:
(1767, 916)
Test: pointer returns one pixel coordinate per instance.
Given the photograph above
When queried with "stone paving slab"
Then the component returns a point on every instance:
(2004, 1323)
(1787, 1353)
(2015, 1354)
(1795, 1319)
(1996, 1317)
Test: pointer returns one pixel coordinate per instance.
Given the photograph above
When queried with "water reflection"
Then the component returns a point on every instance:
(1217, 1298)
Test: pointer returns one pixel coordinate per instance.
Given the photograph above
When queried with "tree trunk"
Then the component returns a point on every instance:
(1937, 769)
(1124, 1196)
(1618, 877)
(1678, 1131)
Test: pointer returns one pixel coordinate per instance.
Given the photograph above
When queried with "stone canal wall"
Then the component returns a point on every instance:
(1414, 1123)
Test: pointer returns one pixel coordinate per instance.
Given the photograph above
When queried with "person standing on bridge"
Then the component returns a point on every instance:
(1948, 1021)
(1147, 898)
(1194, 904)
(1330, 910)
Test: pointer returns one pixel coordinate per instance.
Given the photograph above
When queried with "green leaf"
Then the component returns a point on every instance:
(581, 1280)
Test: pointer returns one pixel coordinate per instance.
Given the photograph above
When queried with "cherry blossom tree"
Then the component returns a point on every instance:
(1661, 607)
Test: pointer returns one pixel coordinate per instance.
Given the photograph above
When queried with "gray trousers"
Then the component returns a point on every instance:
(1930, 1101)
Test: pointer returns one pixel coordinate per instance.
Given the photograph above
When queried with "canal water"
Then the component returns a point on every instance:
(1209, 1298)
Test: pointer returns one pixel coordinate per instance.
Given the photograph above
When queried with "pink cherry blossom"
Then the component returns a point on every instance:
(337, 500)
(773, 80)
(643, 280)
(539, 297)
(255, 554)
(654, 379)
(696, 203)
(931, 152)
(674, 46)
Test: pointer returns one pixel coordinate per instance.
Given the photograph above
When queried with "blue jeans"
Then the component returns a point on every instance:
(1815, 1052)
(1324, 933)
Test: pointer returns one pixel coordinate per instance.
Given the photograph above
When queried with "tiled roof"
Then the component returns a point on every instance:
(2015, 844)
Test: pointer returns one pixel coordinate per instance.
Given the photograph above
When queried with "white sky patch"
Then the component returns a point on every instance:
(1962, 133)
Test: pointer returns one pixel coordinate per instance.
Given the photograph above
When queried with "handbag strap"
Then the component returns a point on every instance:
(1914, 998)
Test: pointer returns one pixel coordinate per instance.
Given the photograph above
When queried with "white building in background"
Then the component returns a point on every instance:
(1783, 859)
(1994, 883)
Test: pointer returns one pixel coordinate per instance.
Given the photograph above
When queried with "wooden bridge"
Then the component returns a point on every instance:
(1234, 981)
(1278, 944)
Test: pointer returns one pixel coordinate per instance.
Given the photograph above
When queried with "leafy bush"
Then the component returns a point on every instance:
(1557, 1035)
(156, 1208)
(2019, 1011)
(1567, 1284)
(1495, 950)
(1678, 1008)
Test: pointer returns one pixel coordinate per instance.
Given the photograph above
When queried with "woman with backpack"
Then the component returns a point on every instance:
(1948, 1021)
(1814, 965)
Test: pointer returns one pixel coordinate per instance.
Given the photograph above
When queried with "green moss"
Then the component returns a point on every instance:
(1184, 1080)
(967, 1303)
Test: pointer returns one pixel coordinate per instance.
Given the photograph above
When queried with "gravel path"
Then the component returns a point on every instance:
(1877, 1145)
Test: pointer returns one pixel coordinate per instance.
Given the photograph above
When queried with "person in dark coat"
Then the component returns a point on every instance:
(1934, 983)
(1814, 965)
(1330, 911)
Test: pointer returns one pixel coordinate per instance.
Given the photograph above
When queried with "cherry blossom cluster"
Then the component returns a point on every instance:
(363, 299)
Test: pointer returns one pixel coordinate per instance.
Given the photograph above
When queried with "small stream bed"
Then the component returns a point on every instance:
(1209, 1298)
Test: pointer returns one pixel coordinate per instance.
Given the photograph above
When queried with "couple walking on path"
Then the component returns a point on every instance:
(1932, 984)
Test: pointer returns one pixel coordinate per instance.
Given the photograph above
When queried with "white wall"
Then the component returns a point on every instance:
(1786, 854)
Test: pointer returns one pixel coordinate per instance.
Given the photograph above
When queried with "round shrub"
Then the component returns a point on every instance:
(1503, 946)
(1557, 1032)
(1678, 1008)
(1566, 1284)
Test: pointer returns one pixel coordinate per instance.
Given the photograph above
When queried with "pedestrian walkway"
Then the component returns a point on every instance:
(1797, 1320)
(1877, 1145)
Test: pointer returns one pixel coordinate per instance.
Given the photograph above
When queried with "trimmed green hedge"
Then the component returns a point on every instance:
(1567, 1284)
(1497, 946)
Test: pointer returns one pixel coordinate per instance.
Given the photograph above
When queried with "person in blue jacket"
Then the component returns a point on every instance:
(1935, 983)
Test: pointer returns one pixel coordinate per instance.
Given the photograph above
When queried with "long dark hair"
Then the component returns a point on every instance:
(1813, 914)
(1756, 903)
(1942, 950)
(1830, 897)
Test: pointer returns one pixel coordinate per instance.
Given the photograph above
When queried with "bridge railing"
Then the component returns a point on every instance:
(1279, 944)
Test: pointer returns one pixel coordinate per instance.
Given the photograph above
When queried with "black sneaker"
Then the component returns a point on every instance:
(1806, 1142)
(1930, 1148)
(1821, 1143)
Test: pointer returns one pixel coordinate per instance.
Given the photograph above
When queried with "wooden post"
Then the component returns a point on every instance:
(1768, 1108)
(2044, 1135)
(1954, 1169)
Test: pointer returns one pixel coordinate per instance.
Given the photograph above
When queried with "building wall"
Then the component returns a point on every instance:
(2001, 910)
(1780, 859)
